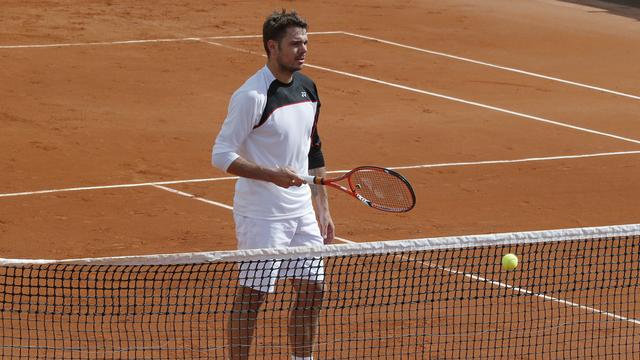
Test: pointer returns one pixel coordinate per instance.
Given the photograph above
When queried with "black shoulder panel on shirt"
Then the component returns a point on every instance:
(316, 158)
(300, 89)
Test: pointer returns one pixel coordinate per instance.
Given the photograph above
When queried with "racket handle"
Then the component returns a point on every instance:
(311, 179)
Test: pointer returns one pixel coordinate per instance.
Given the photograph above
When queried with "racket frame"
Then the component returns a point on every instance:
(353, 191)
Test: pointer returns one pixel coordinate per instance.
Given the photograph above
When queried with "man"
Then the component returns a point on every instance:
(267, 139)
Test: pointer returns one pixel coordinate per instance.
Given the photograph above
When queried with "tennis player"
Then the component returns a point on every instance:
(268, 138)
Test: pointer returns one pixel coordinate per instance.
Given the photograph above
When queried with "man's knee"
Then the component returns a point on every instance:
(249, 299)
(309, 292)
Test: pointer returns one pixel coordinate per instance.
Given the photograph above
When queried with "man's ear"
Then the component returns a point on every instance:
(272, 45)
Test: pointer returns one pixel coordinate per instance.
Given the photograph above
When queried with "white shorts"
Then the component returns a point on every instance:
(259, 234)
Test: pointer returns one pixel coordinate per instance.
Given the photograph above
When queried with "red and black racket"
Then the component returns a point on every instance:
(377, 187)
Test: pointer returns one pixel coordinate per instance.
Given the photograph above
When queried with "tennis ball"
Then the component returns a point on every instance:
(509, 262)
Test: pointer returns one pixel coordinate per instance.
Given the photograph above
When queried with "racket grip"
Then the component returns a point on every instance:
(310, 179)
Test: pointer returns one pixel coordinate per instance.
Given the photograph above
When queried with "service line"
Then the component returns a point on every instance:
(407, 167)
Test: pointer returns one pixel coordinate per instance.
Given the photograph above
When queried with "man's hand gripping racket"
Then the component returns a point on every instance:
(377, 187)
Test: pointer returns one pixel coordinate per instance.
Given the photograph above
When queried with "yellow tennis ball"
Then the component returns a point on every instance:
(509, 262)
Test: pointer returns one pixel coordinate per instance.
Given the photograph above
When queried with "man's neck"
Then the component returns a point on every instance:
(283, 76)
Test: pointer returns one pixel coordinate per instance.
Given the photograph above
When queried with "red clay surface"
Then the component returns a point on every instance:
(97, 115)
(125, 114)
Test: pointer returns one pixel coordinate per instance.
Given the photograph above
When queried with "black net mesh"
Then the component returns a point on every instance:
(575, 299)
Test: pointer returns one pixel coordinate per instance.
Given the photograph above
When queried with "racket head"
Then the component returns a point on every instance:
(382, 188)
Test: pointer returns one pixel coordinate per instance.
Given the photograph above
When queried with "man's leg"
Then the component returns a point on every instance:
(242, 322)
(308, 281)
(255, 279)
(303, 316)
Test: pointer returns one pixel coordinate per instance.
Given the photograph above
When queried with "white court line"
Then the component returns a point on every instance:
(147, 41)
(468, 163)
(529, 292)
(452, 271)
(441, 96)
(432, 52)
(182, 193)
(437, 53)
(233, 48)
(493, 162)
(368, 79)
(100, 43)
(403, 87)
(260, 35)
(591, 87)
(119, 186)
(477, 104)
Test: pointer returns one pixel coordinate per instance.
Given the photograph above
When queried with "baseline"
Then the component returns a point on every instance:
(143, 41)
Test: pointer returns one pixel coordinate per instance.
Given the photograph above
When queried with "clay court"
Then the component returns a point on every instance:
(504, 115)
(98, 115)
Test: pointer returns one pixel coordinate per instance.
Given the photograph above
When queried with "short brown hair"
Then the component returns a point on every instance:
(276, 25)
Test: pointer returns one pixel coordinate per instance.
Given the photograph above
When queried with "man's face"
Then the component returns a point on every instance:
(290, 53)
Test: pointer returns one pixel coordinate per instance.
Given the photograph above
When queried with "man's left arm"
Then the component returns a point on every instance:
(321, 200)
(319, 192)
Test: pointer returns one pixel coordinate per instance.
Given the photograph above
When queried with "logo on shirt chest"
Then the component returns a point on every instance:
(303, 94)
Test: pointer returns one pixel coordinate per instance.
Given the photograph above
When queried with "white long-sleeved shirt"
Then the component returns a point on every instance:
(270, 124)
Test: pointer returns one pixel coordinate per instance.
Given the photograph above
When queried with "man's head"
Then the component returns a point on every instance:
(285, 40)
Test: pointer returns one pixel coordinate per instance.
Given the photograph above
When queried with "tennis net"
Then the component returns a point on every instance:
(575, 294)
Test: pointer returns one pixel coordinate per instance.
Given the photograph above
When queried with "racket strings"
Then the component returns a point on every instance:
(384, 190)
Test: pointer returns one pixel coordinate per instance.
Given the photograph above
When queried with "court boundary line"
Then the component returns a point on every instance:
(501, 67)
(148, 41)
(337, 32)
(475, 277)
(408, 167)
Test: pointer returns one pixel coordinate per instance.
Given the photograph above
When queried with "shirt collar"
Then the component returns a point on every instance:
(271, 78)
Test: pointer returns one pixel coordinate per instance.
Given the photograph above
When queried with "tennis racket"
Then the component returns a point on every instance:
(377, 187)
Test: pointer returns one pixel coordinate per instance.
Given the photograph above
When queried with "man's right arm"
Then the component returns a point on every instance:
(242, 113)
(282, 177)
